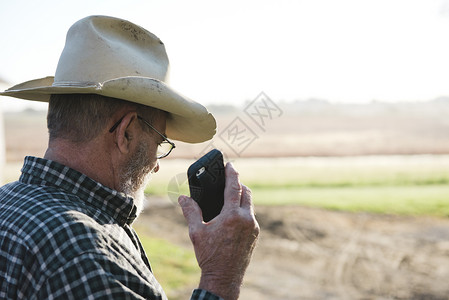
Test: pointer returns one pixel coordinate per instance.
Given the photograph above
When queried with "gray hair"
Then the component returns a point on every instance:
(80, 118)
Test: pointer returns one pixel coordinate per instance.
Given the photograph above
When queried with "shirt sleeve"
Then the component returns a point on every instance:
(199, 294)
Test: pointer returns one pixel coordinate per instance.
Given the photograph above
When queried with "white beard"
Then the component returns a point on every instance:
(136, 175)
(139, 195)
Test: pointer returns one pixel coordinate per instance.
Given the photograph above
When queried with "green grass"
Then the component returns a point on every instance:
(405, 200)
(409, 185)
(174, 267)
(347, 172)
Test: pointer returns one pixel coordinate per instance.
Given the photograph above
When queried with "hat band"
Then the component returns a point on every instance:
(81, 84)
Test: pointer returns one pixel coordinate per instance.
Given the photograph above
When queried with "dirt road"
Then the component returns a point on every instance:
(306, 253)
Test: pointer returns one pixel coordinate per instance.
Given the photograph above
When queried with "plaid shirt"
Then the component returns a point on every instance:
(65, 236)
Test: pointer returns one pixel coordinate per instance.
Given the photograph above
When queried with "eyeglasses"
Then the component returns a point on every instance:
(163, 149)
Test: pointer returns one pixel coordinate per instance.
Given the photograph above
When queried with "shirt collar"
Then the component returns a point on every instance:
(50, 173)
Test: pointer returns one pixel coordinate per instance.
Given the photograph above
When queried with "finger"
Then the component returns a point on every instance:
(233, 189)
(191, 211)
(246, 202)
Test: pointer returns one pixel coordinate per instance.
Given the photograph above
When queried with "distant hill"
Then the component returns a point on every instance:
(300, 128)
(316, 127)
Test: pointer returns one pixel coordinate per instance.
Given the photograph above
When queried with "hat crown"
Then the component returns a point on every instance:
(100, 48)
(115, 58)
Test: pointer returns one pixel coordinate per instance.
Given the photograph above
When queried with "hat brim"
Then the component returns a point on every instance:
(188, 121)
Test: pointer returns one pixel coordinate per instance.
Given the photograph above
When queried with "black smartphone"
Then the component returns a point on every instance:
(206, 183)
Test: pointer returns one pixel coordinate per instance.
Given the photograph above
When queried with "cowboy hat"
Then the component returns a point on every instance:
(116, 58)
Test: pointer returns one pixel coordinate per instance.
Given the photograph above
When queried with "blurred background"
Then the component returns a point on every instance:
(336, 114)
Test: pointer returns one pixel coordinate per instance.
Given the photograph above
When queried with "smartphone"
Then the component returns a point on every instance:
(206, 183)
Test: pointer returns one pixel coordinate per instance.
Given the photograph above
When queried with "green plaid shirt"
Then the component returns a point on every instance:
(65, 236)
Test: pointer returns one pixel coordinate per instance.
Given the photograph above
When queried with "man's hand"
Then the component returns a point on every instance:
(224, 245)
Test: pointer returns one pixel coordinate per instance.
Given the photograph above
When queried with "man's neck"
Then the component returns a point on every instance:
(85, 158)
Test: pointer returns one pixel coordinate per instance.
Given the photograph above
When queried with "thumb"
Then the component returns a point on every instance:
(191, 211)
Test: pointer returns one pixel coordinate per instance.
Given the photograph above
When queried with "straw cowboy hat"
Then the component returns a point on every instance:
(116, 58)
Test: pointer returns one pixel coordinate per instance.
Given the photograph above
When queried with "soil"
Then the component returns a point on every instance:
(307, 253)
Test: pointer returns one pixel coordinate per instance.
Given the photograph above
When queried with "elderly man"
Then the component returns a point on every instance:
(65, 226)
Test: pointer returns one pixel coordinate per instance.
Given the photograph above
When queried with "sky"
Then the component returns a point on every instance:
(227, 52)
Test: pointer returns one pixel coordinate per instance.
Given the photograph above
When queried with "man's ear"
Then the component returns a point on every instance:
(125, 132)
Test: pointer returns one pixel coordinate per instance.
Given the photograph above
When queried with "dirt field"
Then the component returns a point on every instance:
(306, 253)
